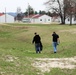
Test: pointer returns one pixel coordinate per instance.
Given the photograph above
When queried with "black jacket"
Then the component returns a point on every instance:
(36, 39)
(55, 37)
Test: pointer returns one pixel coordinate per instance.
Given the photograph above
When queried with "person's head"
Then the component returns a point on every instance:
(54, 32)
(35, 33)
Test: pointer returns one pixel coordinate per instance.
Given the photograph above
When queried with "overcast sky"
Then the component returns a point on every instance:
(12, 5)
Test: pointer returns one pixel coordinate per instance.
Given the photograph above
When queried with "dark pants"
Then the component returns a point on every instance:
(37, 47)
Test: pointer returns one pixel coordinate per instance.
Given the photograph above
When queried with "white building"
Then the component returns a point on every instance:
(41, 19)
(38, 19)
(67, 20)
(6, 18)
(56, 19)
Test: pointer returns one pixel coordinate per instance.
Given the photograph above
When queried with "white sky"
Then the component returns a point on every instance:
(12, 5)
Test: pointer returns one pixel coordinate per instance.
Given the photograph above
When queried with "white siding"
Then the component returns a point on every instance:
(6, 18)
(34, 20)
(2, 19)
(42, 19)
(67, 21)
(56, 19)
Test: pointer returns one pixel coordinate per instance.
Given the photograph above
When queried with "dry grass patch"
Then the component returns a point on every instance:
(45, 64)
(73, 31)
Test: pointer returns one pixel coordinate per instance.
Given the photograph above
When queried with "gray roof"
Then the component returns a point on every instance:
(12, 14)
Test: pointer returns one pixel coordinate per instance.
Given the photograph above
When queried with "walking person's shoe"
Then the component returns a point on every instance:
(54, 52)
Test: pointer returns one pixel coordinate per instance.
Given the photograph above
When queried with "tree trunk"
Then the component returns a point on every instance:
(61, 15)
(70, 19)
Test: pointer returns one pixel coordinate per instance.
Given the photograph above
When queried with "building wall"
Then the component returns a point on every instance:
(2, 19)
(56, 19)
(34, 20)
(67, 21)
(6, 19)
(42, 19)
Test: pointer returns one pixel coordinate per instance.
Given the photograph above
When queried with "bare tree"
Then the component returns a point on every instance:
(19, 15)
(29, 10)
(63, 7)
(71, 10)
(74, 1)
(57, 6)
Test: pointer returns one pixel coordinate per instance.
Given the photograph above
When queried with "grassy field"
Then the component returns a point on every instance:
(17, 51)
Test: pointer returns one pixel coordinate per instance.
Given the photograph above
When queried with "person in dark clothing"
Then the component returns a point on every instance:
(37, 41)
(55, 41)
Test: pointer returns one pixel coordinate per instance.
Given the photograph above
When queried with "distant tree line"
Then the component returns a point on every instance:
(30, 11)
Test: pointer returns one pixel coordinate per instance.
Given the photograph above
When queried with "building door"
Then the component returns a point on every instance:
(45, 20)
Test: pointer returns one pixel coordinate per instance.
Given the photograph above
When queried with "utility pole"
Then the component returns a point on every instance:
(28, 10)
(5, 15)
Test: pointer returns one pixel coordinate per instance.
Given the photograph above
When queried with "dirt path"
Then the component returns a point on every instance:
(45, 64)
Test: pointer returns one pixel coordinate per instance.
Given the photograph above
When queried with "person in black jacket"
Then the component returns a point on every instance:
(55, 40)
(37, 41)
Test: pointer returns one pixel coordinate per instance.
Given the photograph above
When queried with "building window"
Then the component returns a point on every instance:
(74, 18)
(40, 19)
(48, 19)
(68, 19)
